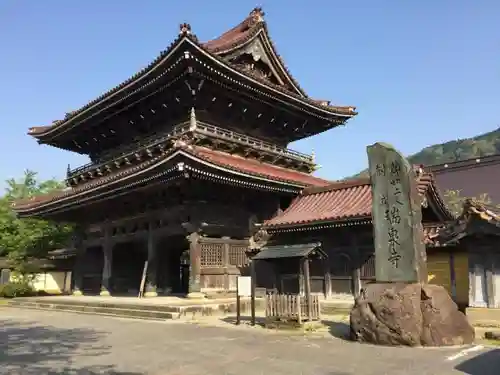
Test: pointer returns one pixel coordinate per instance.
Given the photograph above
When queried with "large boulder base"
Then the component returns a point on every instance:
(408, 314)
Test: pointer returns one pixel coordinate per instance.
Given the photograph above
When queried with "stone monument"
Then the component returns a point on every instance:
(397, 217)
(400, 308)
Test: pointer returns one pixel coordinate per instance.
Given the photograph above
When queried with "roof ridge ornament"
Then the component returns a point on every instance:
(257, 15)
(185, 30)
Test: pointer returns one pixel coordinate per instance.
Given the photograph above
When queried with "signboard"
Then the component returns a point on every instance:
(244, 286)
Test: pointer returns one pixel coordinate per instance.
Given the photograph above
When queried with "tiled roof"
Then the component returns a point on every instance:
(340, 201)
(245, 31)
(231, 39)
(459, 228)
(238, 35)
(215, 159)
(257, 168)
(431, 231)
(473, 177)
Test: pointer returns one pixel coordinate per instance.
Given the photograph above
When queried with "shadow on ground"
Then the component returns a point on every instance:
(245, 320)
(487, 363)
(30, 348)
(339, 330)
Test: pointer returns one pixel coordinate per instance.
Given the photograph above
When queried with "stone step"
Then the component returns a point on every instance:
(187, 310)
(123, 311)
(68, 302)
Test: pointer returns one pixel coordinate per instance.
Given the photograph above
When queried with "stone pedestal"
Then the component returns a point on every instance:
(408, 314)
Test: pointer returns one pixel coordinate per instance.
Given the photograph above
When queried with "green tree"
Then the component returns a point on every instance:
(455, 201)
(23, 239)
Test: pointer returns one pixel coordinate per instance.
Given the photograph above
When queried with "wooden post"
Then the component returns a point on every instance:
(194, 266)
(328, 279)
(107, 252)
(299, 310)
(490, 287)
(238, 309)
(252, 297)
(307, 287)
(356, 265)
(453, 277)
(143, 280)
(79, 262)
(225, 262)
(152, 274)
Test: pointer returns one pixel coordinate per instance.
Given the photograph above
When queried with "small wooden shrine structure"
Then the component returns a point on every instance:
(292, 299)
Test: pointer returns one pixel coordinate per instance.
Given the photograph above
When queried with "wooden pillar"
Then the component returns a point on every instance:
(194, 266)
(152, 270)
(490, 287)
(453, 277)
(328, 278)
(225, 262)
(301, 280)
(356, 265)
(107, 251)
(79, 262)
(307, 287)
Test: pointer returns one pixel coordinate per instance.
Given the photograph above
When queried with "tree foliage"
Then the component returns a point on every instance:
(455, 201)
(22, 239)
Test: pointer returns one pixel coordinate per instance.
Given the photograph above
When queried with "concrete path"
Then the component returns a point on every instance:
(40, 342)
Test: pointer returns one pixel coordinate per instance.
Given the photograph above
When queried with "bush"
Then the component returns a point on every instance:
(16, 289)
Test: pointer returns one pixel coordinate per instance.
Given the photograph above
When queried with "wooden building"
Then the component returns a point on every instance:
(339, 217)
(472, 178)
(185, 155)
(477, 231)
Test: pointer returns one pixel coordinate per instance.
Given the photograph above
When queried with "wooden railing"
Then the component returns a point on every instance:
(151, 141)
(292, 307)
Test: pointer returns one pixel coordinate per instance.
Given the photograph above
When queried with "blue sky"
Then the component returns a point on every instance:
(419, 72)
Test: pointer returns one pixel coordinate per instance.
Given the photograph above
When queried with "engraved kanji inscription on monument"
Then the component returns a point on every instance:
(397, 217)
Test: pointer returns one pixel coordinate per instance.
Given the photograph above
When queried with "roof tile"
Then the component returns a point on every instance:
(216, 158)
(344, 200)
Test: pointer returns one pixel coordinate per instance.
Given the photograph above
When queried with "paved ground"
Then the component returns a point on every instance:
(38, 342)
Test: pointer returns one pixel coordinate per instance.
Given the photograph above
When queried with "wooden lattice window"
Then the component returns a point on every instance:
(211, 254)
(368, 268)
(237, 255)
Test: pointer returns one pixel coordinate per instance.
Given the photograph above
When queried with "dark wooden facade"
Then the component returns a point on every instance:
(185, 156)
(350, 261)
(339, 217)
